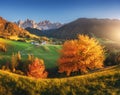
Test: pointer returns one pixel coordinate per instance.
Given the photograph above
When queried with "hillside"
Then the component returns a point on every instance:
(102, 28)
(35, 31)
(49, 53)
(9, 29)
(110, 44)
(103, 82)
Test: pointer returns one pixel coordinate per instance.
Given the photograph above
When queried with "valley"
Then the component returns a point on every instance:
(27, 54)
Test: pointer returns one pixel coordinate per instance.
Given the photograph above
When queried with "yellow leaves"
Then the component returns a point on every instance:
(81, 54)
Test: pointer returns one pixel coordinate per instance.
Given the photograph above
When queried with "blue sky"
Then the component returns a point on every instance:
(59, 10)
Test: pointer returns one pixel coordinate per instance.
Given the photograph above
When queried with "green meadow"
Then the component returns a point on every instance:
(105, 81)
(49, 53)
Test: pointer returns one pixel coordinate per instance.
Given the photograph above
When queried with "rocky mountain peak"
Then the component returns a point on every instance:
(42, 25)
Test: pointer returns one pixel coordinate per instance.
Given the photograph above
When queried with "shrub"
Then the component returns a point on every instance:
(15, 61)
(30, 58)
(112, 58)
(37, 69)
(18, 56)
(117, 59)
(82, 55)
(3, 47)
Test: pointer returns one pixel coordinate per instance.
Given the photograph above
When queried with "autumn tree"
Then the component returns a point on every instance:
(30, 58)
(3, 47)
(18, 56)
(37, 69)
(15, 61)
(82, 54)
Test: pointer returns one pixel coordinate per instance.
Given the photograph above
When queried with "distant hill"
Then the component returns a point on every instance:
(35, 31)
(103, 28)
(8, 29)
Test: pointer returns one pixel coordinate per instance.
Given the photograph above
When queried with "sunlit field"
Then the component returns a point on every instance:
(49, 53)
(102, 82)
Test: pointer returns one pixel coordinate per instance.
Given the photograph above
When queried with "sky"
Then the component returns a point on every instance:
(63, 11)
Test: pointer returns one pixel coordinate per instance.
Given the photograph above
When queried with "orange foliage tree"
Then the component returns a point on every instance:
(37, 69)
(82, 55)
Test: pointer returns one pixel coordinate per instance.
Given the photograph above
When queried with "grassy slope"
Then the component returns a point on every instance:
(105, 82)
(49, 53)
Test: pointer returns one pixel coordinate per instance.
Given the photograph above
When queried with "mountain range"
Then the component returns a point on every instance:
(100, 28)
(42, 25)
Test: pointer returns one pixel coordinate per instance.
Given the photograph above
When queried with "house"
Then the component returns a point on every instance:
(44, 43)
(35, 43)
